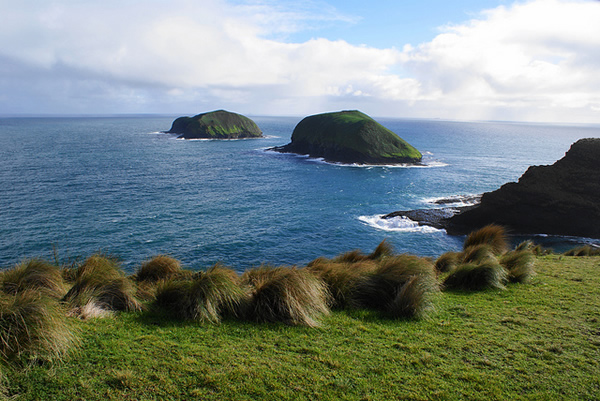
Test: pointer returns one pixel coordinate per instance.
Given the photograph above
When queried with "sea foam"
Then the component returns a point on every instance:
(397, 224)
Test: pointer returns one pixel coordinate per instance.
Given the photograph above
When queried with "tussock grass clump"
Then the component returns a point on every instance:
(447, 262)
(101, 284)
(99, 265)
(205, 297)
(283, 294)
(477, 253)
(477, 276)
(33, 327)
(585, 250)
(341, 279)
(351, 257)
(492, 235)
(401, 286)
(383, 249)
(160, 267)
(536, 249)
(519, 265)
(35, 274)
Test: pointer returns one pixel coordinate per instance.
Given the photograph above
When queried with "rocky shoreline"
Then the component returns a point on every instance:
(560, 199)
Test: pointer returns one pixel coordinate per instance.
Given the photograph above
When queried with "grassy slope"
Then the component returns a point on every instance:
(531, 341)
(356, 131)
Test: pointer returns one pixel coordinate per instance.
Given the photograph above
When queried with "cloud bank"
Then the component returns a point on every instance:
(534, 61)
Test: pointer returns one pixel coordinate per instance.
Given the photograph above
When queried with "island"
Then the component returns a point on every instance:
(218, 124)
(349, 137)
(560, 199)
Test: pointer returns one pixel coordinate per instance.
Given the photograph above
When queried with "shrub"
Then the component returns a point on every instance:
(402, 286)
(447, 262)
(283, 294)
(475, 277)
(206, 297)
(34, 327)
(34, 274)
(491, 235)
(519, 265)
(160, 267)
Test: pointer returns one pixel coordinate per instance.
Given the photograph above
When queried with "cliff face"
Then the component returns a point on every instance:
(218, 124)
(562, 199)
(349, 137)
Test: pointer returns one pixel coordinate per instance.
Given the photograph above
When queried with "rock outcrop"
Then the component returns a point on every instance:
(219, 124)
(349, 137)
(562, 199)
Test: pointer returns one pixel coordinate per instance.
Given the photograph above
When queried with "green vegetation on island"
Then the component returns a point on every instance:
(219, 124)
(349, 137)
(349, 327)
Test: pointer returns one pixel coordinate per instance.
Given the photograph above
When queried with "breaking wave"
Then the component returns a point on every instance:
(397, 224)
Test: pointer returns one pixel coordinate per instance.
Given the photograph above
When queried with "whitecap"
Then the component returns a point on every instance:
(320, 160)
(397, 224)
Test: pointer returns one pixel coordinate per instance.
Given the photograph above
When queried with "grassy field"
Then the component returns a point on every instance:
(539, 340)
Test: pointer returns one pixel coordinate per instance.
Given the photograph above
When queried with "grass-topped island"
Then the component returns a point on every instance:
(488, 322)
(349, 137)
(218, 124)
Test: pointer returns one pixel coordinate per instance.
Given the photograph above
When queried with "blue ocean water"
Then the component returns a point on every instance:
(118, 185)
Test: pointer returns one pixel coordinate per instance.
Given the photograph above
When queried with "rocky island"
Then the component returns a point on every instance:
(560, 199)
(349, 137)
(219, 124)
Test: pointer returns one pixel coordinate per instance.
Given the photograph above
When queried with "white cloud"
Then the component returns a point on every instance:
(535, 60)
(539, 56)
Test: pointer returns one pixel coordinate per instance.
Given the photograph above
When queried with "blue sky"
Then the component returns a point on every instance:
(527, 60)
(386, 23)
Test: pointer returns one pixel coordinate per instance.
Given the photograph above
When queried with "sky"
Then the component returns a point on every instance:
(530, 60)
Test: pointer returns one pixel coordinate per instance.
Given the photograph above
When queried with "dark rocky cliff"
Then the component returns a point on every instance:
(562, 199)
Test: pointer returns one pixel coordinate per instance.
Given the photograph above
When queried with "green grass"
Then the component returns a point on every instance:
(535, 341)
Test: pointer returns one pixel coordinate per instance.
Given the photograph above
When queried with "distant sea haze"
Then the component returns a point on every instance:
(119, 186)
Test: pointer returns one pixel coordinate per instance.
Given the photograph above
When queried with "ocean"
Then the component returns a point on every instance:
(74, 186)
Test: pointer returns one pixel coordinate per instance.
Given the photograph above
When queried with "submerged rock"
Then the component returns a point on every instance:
(349, 137)
(562, 199)
(219, 124)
